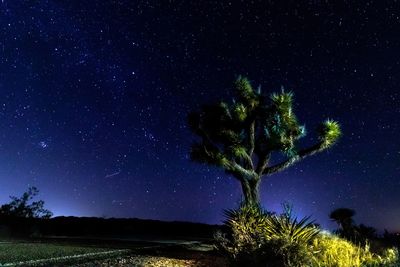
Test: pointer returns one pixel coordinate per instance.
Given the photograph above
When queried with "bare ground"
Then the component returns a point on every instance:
(181, 255)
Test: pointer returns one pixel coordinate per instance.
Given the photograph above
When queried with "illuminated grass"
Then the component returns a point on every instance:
(330, 250)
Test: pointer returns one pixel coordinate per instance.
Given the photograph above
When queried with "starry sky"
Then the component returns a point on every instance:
(94, 97)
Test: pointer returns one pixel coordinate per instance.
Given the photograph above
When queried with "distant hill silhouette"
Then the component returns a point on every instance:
(104, 228)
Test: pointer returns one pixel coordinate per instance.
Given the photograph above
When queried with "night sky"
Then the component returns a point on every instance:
(94, 97)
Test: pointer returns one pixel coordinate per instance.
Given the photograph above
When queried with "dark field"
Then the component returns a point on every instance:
(70, 241)
(88, 252)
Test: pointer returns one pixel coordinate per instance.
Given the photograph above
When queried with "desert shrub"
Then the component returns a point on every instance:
(244, 239)
(289, 238)
(257, 238)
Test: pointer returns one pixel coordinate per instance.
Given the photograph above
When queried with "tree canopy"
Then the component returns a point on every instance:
(24, 206)
(242, 136)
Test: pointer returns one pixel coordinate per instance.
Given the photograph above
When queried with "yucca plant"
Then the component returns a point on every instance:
(256, 237)
(290, 228)
(290, 238)
(245, 235)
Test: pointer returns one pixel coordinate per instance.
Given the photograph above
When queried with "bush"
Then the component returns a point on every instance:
(289, 239)
(331, 251)
(254, 237)
(244, 238)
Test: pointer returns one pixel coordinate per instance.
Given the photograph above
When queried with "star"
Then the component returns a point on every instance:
(43, 144)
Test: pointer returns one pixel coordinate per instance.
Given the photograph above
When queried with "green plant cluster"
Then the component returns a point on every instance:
(254, 237)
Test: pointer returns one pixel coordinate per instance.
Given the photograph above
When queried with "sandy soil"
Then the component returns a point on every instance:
(159, 261)
(193, 254)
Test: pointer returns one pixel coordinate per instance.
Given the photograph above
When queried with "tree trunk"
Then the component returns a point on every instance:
(250, 191)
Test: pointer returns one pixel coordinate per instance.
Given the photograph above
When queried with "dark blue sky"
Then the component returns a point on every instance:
(94, 97)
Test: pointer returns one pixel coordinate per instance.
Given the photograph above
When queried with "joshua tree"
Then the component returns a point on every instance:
(241, 137)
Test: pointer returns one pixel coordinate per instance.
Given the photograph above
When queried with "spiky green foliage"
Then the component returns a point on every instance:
(329, 132)
(241, 137)
(245, 92)
(247, 226)
(290, 228)
(256, 237)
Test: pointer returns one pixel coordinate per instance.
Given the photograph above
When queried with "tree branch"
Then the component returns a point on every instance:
(249, 161)
(301, 155)
(230, 165)
(252, 138)
(262, 163)
(238, 171)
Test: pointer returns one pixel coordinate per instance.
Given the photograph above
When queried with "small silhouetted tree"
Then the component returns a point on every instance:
(349, 229)
(241, 137)
(344, 218)
(25, 207)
